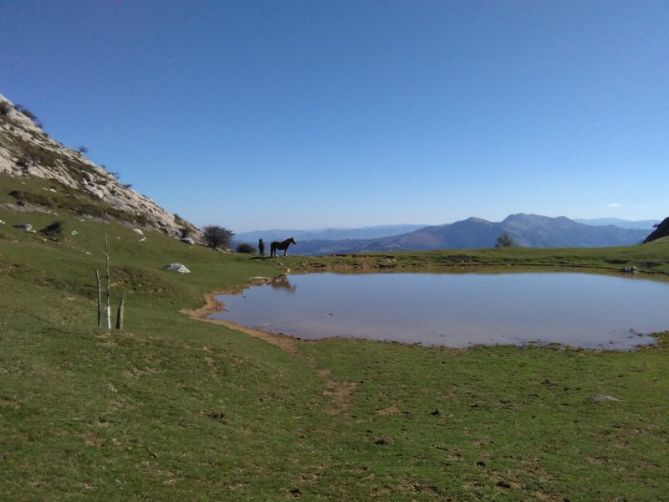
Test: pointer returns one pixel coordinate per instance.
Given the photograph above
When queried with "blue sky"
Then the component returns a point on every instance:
(306, 114)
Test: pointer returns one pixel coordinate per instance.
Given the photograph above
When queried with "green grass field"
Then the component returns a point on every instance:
(176, 408)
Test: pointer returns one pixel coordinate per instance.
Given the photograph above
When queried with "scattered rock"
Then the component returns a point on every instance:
(436, 412)
(177, 267)
(74, 232)
(188, 240)
(2, 222)
(503, 484)
(138, 231)
(142, 239)
(603, 398)
(480, 463)
(383, 440)
(24, 226)
(296, 492)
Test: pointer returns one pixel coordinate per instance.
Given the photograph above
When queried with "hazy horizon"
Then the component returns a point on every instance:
(324, 228)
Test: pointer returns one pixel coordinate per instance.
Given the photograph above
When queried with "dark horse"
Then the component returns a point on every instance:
(280, 245)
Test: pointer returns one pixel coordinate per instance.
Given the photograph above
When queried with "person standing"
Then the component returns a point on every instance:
(261, 247)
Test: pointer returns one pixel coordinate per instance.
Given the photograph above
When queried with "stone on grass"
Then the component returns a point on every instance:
(138, 231)
(24, 226)
(178, 267)
(188, 240)
(602, 398)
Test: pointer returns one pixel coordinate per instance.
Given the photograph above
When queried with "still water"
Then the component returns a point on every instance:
(459, 310)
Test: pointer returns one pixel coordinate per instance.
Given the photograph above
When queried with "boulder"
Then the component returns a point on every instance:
(138, 231)
(24, 226)
(188, 240)
(177, 267)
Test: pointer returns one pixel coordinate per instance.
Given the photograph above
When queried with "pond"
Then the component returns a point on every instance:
(459, 310)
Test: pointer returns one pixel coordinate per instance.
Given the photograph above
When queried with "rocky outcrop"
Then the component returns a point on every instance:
(26, 150)
(661, 230)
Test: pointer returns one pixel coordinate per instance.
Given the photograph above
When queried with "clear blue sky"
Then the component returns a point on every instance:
(303, 114)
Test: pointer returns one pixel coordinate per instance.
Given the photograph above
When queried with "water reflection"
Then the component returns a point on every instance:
(282, 282)
(459, 310)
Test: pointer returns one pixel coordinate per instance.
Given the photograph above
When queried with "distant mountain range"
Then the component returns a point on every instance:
(528, 230)
(329, 234)
(644, 224)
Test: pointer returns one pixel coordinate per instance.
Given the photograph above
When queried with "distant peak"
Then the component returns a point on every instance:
(474, 219)
(533, 217)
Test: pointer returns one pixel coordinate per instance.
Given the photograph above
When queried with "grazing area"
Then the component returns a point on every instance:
(175, 407)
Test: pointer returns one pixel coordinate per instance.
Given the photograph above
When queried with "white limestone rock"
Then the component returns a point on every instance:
(178, 267)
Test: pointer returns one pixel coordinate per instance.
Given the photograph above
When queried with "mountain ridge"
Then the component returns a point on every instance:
(528, 230)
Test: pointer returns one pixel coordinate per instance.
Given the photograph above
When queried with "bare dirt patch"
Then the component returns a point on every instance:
(341, 394)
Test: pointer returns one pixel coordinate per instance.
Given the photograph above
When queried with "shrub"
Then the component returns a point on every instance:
(22, 109)
(33, 198)
(245, 247)
(5, 108)
(25, 162)
(54, 230)
(82, 149)
(217, 237)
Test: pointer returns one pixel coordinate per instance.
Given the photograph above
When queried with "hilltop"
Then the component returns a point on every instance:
(76, 183)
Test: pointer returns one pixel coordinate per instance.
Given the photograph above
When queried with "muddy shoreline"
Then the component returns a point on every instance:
(289, 342)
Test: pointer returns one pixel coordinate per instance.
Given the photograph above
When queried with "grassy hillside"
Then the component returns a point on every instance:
(173, 407)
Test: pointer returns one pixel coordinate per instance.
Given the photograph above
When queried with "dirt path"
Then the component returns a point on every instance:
(340, 392)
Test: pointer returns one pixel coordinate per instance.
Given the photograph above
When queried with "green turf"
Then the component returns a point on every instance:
(175, 408)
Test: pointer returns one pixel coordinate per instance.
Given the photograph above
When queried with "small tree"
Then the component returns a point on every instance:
(217, 237)
(505, 241)
(245, 247)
